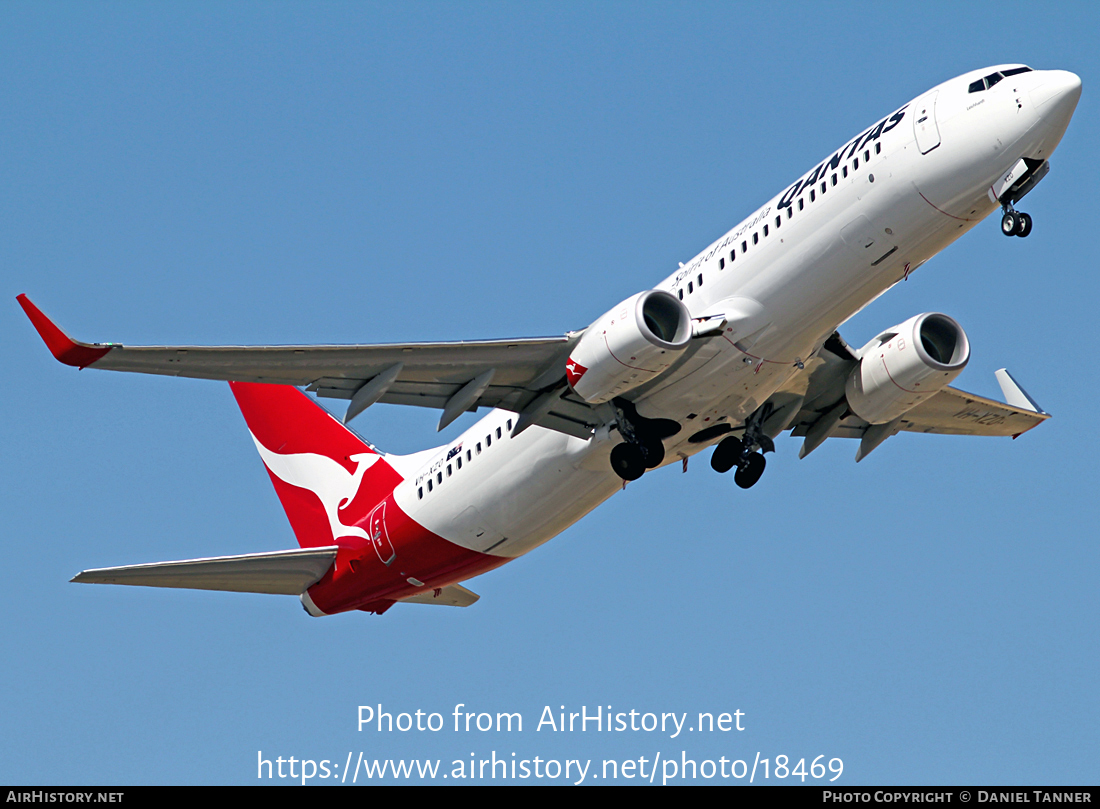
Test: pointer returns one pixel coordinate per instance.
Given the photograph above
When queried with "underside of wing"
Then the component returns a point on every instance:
(949, 412)
(453, 376)
(280, 572)
(825, 412)
(956, 412)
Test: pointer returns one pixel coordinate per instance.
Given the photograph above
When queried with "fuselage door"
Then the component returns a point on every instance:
(924, 122)
(379, 537)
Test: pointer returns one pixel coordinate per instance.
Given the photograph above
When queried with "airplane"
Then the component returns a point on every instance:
(737, 346)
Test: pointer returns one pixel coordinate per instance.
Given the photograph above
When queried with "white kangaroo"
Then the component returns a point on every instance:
(334, 486)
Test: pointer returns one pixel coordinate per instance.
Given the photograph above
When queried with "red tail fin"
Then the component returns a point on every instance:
(327, 479)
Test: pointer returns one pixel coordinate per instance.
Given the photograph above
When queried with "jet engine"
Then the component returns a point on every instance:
(629, 345)
(906, 365)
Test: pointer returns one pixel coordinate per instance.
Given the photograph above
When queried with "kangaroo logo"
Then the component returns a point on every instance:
(334, 486)
(574, 371)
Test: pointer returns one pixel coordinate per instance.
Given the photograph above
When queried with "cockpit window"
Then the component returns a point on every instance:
(993, 78)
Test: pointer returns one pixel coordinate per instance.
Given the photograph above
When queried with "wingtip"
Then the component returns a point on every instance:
(1015, 395)
(64, 348)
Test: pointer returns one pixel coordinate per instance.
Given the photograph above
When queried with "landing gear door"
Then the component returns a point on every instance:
(924, 122)
(379, 537)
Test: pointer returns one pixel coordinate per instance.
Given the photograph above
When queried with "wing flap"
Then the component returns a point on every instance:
(279, 572)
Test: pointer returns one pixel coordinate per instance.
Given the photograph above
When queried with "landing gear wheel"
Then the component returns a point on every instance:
(1010, 223)
(628, 461)
(654, 452)
(1024, 228)
(749, 471)
(726, 454)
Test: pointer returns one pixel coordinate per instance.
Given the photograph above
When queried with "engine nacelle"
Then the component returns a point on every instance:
(905, 365)
(628, 346)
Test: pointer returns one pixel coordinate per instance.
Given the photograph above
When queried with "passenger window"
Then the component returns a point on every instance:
(823, 187)
(509, 425)
(478, 447)
(878, 148)
(855, 164)
(439, 477)
(801, 205)
(790, 211)
(779, 220)
(834, 178)
(744, 247)
(721, 264)
(866, 155)
(756, 238)
(681, 293)
(469, 456)
(498, 432)
(733, 255)
(488, 441)
(458, 461)
(448, 470)
(429, 484)
(765, 230)
(813, 196)
(700, 279)
(691, 287)
(420, 493)
(845, 171)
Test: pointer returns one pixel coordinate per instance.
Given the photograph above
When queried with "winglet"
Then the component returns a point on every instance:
(1015, 395)
(64, 348)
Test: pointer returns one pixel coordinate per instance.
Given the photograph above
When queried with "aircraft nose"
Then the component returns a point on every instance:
(1055, 98)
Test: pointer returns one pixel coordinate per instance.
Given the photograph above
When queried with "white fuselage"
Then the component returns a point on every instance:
(798, 267)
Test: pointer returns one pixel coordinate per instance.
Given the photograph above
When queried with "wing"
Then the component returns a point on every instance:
(525, 375)
(824, 412)
(956, 412)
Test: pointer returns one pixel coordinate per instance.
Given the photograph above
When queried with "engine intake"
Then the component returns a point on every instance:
(629, 345)
(906, 365)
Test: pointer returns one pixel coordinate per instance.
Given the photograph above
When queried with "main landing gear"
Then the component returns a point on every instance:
(631, 460)
(1015, 224)
(732, 451)
(742, 452)
(643, 447)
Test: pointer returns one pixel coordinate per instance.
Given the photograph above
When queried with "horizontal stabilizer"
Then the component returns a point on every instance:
(454, 596)
(279, 572)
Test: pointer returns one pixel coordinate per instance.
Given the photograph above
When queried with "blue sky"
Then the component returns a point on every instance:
(307, 173)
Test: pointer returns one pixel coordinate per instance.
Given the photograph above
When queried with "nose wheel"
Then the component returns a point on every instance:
(1015, 224)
